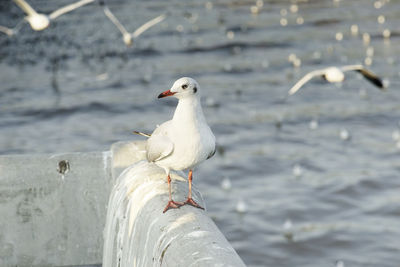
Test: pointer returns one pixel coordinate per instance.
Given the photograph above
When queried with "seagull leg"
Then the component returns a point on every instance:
(171, 204)
(189, 199)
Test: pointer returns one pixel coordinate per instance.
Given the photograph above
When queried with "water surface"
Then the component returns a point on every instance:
(76, 87)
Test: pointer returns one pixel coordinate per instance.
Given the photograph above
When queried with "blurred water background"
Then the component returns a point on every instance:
(312, 180)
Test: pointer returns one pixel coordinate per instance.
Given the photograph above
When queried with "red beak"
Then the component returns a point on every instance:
(166, 93)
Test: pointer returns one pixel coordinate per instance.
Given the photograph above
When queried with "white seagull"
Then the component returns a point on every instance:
(183, 142)
(127, 36)
(335, 75)
(39, 21)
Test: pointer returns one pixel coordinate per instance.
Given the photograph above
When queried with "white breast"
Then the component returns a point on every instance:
(192, 145)
(334, 75)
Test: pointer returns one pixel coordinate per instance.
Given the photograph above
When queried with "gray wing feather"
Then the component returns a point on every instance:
(6, 30)
(159, 145)
(25, 7)
(147, 25)
(304, 80)
(369, 75)
(69, 8)
(114, 20)
(212, 153)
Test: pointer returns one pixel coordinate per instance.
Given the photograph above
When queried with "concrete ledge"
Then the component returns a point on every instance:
(53, 211)
(124, 154)
(50, 218)
(137, 233)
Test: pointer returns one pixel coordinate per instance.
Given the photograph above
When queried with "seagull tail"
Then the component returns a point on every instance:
(142, 134)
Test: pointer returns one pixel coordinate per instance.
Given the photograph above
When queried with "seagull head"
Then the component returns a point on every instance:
(182, 88)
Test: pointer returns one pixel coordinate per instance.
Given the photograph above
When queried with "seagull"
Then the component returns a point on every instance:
(336, 74)
(127, 36)
(183, 142)
(39, 21)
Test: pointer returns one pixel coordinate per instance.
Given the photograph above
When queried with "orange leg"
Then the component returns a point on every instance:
(189, 199)
(171, 204)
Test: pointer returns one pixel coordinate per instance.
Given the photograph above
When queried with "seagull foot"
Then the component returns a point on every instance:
(173, 205)
(190, 201)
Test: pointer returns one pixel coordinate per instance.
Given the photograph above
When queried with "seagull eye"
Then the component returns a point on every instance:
(184, 86)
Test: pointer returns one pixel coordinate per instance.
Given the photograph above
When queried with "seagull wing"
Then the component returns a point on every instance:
(159, 145)
(25, 7)
(305, 79)
(6, 30)
(114, 20)
(10, 32)
(147, 25)
(212, 152)
(68, 8)
(369, 75)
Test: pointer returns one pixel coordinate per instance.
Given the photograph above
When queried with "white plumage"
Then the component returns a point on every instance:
(186, 140)
(40, 21)
(335, 75)
(128, 37)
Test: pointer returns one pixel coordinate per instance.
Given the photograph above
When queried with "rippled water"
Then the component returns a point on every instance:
(299, 195)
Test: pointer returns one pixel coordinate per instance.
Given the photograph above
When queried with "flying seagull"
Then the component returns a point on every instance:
(39, 21)
(127, 36)
(336, 74)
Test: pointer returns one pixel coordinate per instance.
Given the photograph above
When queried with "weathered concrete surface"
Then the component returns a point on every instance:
(140, 234)
(124, 154)
(50, 219)
(54, 219)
